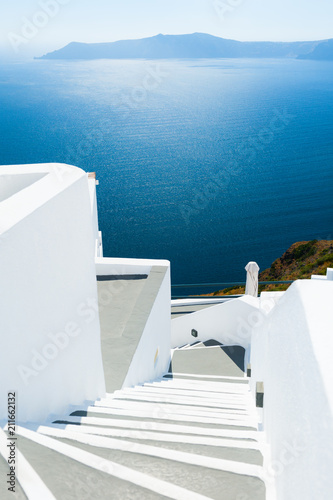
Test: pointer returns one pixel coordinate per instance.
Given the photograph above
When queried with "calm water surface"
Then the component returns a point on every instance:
(207, 163)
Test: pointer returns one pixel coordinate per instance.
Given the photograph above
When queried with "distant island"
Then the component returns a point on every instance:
(322, 52)
(192, 46)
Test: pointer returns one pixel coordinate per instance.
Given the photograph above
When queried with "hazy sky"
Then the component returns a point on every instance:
(33, 27)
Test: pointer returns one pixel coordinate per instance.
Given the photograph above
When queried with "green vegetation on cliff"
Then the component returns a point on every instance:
(300, 261)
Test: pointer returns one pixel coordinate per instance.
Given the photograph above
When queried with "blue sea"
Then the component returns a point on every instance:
(207, 163)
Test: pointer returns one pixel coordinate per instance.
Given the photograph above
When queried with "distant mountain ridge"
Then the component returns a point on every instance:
(322, 52)
(196, 45)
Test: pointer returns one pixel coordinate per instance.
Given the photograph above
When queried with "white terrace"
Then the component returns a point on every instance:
(116, 400)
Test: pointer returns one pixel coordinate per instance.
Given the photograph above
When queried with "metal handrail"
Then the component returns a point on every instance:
(219, 286)
(229, 284)
(205, 296)
(196, 285)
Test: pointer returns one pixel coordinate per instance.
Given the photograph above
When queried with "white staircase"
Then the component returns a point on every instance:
(185, 436)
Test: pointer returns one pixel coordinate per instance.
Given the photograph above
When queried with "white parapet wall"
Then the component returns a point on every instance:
(142, 351)
(291, 354)
(152, 356)
(111, 266)
(92, 183)
(328, 276)
(50, 355)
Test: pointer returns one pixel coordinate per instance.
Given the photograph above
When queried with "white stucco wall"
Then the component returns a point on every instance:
(152, 357)
(292, 354)
(94, 216)
(50, 356)
(117, 266)
(229, 323)
(12, 184)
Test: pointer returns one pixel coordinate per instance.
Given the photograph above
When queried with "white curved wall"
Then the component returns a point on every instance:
(229, 323)
(49, 354)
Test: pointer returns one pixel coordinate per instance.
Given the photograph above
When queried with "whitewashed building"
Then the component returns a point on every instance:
(109, 397)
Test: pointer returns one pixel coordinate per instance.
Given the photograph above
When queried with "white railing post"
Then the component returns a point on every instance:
(252, 270)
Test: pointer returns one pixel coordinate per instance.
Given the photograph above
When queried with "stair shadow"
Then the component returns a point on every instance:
(236, 353)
